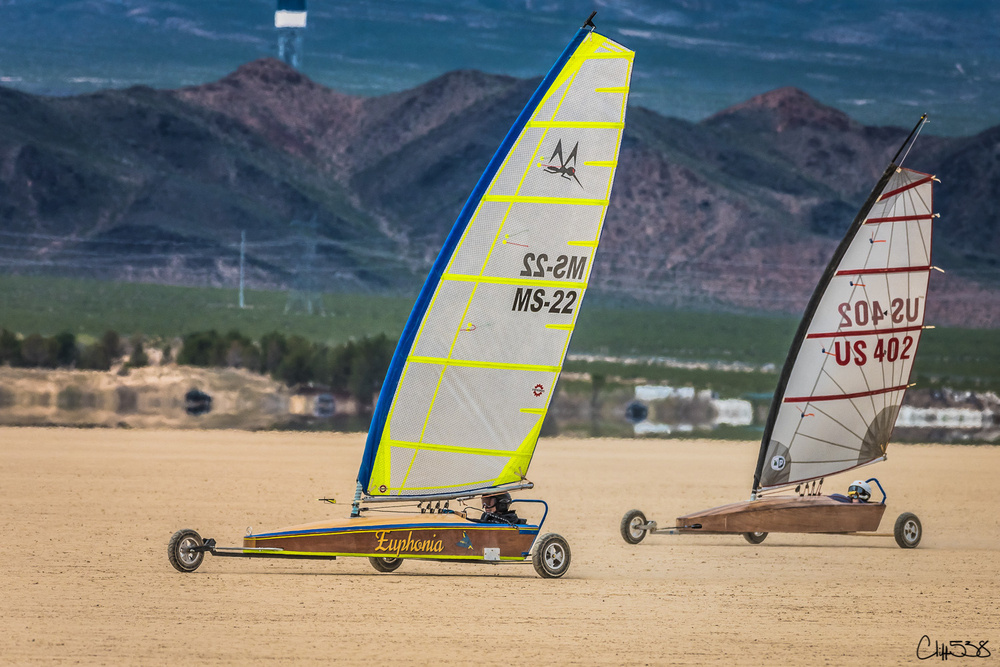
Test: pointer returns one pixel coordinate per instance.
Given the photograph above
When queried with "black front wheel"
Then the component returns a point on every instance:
(755, 538)
(907, 530)
(181, 553)
(384, 564)
(551, 558)
(631, 526)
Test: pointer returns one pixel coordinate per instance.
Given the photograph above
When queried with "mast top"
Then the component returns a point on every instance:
(589, 23)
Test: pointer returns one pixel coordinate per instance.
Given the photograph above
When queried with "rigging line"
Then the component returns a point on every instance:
(828, 442)
(913, 132)
(920, 126)
(850, 401)
(838, 422)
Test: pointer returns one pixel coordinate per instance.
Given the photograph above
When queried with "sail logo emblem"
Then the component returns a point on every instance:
(537, 391)
(465, 542)
(567, 165)
(381, 488)
(778, 463)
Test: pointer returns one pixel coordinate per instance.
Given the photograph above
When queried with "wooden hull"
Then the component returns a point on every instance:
(785, 514)
(426, 536)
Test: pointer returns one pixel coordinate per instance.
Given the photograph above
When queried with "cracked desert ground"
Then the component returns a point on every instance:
(86, 516)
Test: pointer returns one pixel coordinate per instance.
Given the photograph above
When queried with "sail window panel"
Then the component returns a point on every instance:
(443, 319)
(471, 254)
(561, 170)
(434, 470)
(400, 459)
(481, 407)
(508, 336)
(545, 229)
(522, 156)
(413, 400)
(582, 104)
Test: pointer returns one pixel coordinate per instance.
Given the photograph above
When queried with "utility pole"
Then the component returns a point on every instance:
(243, 245)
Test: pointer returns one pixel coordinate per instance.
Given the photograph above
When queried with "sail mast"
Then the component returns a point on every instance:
(814, 302)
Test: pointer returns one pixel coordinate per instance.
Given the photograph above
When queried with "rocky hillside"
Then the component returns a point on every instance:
(739, 211)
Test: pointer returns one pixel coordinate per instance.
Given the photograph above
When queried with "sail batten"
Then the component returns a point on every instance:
(475, 369)
(849, 365)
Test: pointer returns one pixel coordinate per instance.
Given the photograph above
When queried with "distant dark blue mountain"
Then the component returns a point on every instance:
(881, 62)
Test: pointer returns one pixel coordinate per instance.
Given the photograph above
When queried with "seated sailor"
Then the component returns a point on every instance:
(496, 509)
(857, 492)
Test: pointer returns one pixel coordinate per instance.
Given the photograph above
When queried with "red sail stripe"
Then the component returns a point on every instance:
(900, 218)
(895, 269)
(837, 397)
(867, 332)
(893, 193)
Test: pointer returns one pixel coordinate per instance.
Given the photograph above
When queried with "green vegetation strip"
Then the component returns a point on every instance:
(959, 358)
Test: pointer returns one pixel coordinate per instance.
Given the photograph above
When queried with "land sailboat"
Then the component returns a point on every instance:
(472, 377)
(844, 379)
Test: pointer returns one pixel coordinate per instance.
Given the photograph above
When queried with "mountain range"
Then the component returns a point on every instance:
(339, 192)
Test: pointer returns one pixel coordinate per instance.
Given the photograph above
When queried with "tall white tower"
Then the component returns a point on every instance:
(290, 21)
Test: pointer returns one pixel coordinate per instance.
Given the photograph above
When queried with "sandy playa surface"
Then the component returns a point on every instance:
(86, 515)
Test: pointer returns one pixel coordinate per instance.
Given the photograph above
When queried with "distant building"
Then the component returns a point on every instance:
(290, 20)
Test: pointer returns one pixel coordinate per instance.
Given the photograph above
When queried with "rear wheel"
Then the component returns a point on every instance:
(180, 550)
(755, 538)
(551, 558)
(908, 530)
(632, 532)
(383, 564)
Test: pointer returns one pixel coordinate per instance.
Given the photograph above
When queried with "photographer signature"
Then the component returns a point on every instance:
(955, 649)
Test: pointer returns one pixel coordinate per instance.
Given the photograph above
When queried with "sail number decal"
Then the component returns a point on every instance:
(862, 313)
(886, 350)
(537, 266)
(533, 299)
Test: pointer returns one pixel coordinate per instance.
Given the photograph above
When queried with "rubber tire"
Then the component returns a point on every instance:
(626, 526)
(383, 564)
(754, 538)
(907, 530)
(551, 558)
(178, 550)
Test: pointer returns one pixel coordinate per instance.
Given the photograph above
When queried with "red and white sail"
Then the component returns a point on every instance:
(846, 383)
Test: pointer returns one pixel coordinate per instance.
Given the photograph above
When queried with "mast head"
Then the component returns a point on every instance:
(589, 23)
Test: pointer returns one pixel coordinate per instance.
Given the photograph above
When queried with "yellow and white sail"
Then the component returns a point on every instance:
(474, 371)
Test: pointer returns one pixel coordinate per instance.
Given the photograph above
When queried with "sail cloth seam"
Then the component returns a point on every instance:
(565, 201)
(513, 281)
(837, 397)
(406, 339)
(576, 124)
(454, 449)
(482, 364)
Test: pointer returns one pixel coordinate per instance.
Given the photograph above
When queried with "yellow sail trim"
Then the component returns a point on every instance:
(513, 281)
(454, 449)
(517, 466)
(614, 89)
(564, 201)
(583, 244)
(606, 56)
(601, 163)
(576, 124)
(533, 411)
(560, 327)
(480, 364)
